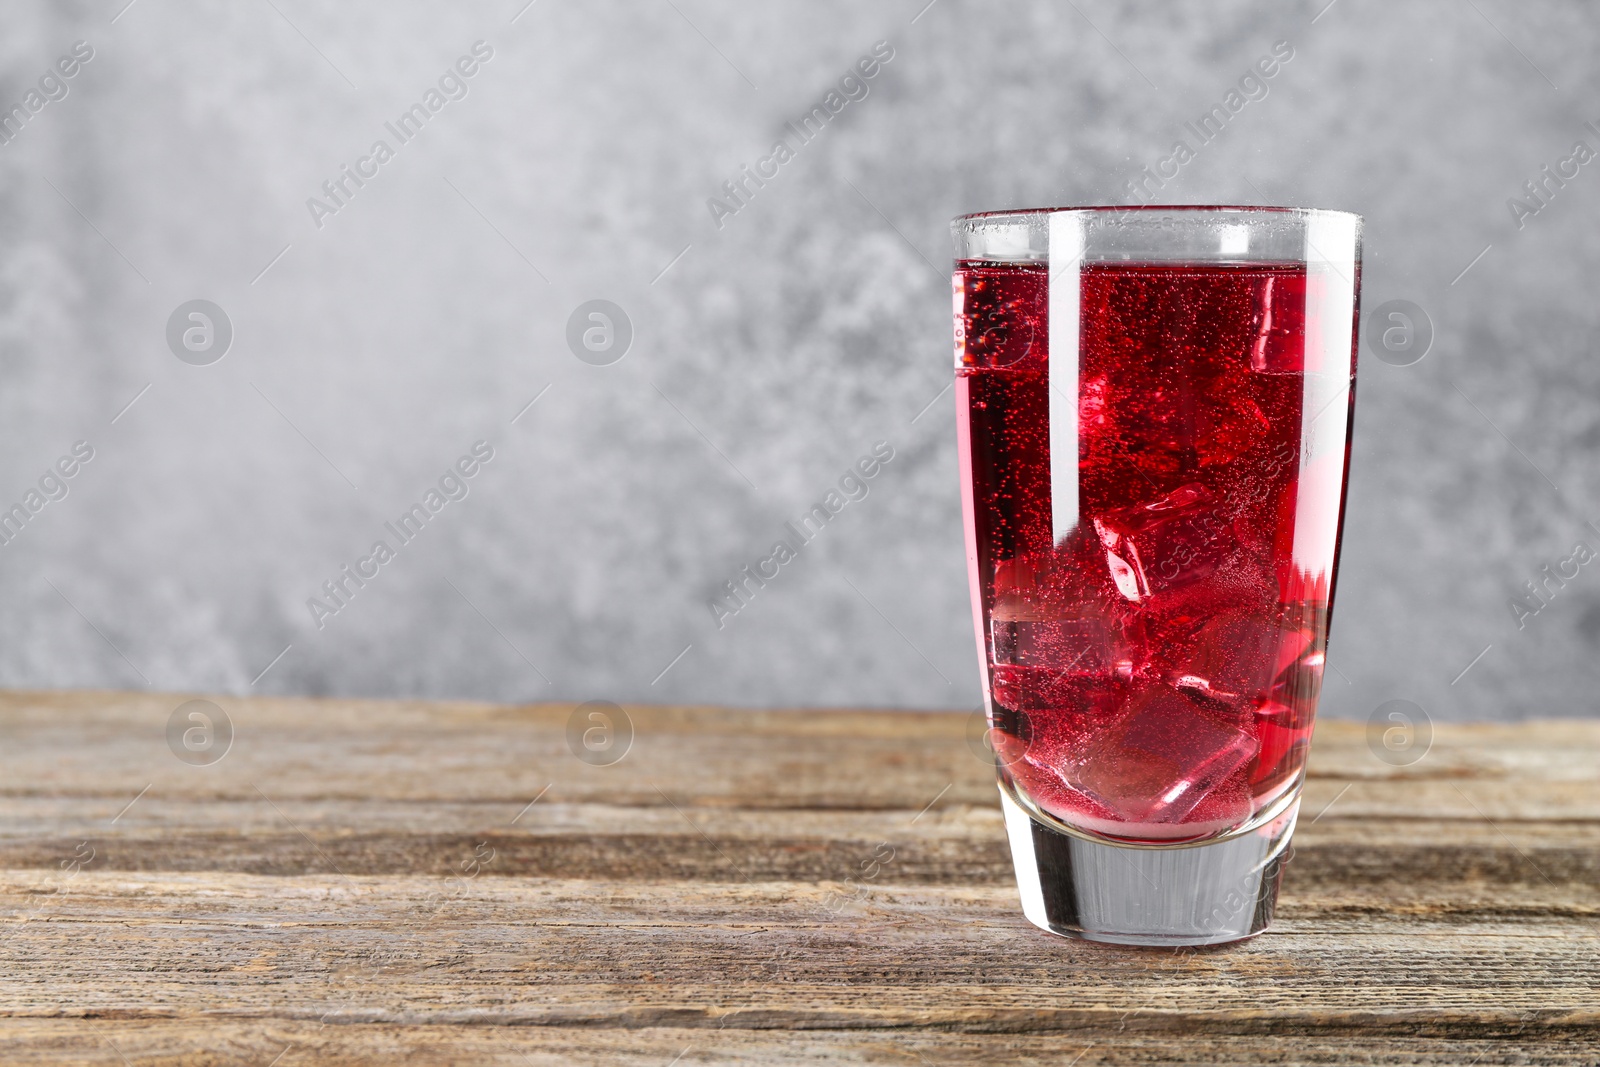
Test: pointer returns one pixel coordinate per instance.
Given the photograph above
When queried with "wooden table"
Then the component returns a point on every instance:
(363, 882)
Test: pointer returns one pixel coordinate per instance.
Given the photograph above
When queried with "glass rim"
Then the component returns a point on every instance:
(1103, 209)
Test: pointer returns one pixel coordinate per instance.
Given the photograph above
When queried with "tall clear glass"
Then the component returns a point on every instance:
(1154, 409)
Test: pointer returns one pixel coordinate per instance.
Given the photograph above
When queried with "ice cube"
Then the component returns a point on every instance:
(1020, 580)
(1280, 321)
(1244, 655)
(1079, 646)
(1048, 626)
(1026, 688)
(1039, 665)
(1080, 713)
(1021, 587)
(1160, 759)
(1166, 543)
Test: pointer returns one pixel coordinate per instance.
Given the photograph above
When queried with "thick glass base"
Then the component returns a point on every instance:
(1202, 893)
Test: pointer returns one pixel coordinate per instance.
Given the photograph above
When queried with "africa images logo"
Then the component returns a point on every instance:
(454, 485)
(52, 87)
(340, 190)
(1252, 85)
(53, 485)
(737, 192)
(736, 594)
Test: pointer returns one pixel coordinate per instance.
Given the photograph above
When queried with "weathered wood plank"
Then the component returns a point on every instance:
(790, 955)
(228, 1042)
(1458, 859)
(360, 881)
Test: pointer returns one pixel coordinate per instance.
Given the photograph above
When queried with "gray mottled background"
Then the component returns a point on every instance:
(768, 353)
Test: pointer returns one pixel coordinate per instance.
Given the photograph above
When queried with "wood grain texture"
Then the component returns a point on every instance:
(362, 882)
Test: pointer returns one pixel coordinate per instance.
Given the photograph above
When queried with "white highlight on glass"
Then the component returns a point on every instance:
(1066, 260)
(1331, 249)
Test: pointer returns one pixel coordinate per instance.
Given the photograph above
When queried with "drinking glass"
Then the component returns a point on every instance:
(1153, 410)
